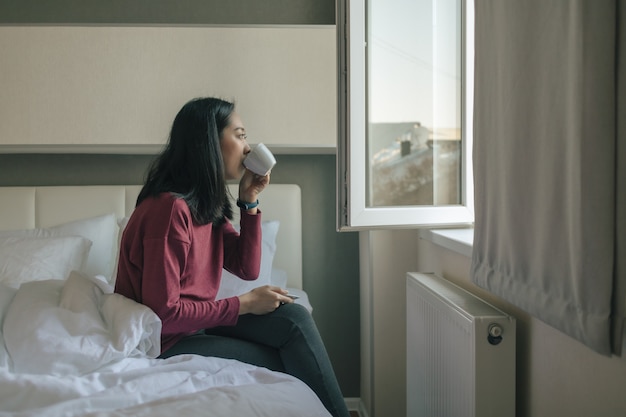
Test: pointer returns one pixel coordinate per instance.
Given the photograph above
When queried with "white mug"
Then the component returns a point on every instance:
(260, 160)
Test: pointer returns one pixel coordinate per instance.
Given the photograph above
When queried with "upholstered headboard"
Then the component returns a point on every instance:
(39, 207)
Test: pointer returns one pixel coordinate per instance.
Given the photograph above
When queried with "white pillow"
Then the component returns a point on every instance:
(6, 297)
(232, 285)
(26, 258)
(121, 225)
(279, 278)
(101, 231)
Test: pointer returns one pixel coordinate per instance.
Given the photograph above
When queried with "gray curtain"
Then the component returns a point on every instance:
(549, 189)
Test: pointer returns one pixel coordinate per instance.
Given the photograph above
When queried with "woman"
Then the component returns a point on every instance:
(179, 238)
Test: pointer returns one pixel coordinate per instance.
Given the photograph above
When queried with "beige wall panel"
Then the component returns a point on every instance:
(94, 85)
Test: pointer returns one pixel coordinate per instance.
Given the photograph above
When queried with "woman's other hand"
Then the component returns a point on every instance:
(263, 300)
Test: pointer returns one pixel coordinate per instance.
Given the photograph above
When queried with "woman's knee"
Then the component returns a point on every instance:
(295, 312)
(299, 319)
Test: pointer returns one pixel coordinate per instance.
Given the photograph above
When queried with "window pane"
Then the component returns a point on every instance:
(405, 96)
(414, 94)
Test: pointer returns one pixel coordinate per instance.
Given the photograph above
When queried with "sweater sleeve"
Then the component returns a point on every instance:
(242, 251)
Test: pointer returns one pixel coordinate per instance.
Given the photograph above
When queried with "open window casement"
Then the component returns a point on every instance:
(404, 113)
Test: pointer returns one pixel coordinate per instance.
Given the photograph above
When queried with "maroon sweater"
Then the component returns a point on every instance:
(174, 266)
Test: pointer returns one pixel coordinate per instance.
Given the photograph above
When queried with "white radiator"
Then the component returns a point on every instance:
(460, 352)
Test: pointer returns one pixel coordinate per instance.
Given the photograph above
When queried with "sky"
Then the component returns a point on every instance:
(414, 52)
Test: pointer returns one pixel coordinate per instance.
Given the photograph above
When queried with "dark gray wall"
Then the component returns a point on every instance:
(222, 12)
(331, 271)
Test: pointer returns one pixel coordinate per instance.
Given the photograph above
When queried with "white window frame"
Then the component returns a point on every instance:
(352, 212)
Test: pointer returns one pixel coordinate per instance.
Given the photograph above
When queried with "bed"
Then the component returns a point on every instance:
(71, 347)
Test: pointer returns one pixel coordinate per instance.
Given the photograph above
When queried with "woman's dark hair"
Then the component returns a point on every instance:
(191, 165)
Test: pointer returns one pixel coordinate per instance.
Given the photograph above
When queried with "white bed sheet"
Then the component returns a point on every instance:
(73, 348)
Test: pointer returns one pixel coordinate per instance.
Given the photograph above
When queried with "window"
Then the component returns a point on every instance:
(404, 148)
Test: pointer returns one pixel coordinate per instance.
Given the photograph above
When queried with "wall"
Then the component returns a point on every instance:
(122, 85)
(187, 12)
(115, 73)
(555, 375)
(386, 256)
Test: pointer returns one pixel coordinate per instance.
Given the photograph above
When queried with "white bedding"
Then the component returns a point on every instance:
(73, 348)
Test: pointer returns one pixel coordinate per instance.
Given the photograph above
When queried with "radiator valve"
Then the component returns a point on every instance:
(495, 334)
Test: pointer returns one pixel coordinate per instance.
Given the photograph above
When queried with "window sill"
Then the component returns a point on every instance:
(459, 240)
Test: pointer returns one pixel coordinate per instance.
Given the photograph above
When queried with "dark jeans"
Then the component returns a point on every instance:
(286, 340)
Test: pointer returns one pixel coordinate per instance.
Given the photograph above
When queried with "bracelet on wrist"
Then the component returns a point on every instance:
(247, 206)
